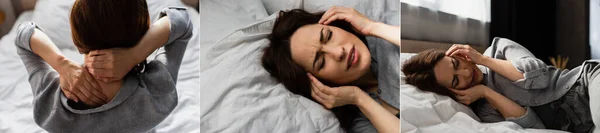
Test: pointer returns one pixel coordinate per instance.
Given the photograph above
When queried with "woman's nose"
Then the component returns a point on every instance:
(464, 72)
(337, 52)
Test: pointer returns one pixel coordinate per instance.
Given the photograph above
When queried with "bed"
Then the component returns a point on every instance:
(429, 112)
(237, 94)
(52, 15)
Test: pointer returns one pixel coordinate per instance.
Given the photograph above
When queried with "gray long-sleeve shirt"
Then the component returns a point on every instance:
(143, 101)
(385, 63)
(541, 84)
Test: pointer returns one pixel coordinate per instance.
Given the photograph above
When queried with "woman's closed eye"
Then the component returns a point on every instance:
(322, 61)
(321, 55)
(455, 64)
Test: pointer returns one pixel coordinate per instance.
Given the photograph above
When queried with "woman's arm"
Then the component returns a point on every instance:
(155, 38)
(113, 64)
(37, 51)
(507, 108)
(75, 83)
(361, 23)
(382, 119)
(387, 32)
(534, 72)
(172, 32)
(502, 67)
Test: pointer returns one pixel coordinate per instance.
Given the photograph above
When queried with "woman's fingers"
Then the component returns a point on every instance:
(92, 93)
(70, 95)
(315, 81)
(331, 13)
(320, 93)
(464, 100)
(97, 64)
(328, 14)
(338, 16)
(458, 92)
(461, 52)
(79, 94)
(451, 49)
(327, 103)
(106, 79)
(456, 47)
(96, 88)
(98, 52)
(99, 72)
(85, 90)
(99, 58)
(316, 97)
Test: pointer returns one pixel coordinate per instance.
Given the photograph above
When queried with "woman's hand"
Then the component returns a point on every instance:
(466, 52)
(110, 64)
(360, 23)
(78, 85)
(333, 97)
(470, 95)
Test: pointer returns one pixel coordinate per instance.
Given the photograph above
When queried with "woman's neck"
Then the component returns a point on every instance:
(367, 80)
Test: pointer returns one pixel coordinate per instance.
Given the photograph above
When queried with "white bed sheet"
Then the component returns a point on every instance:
(429, 112)
(15, 93)
(237, 93)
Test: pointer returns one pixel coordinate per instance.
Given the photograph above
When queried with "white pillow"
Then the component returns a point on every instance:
(386, 11)
(272, 6)
(222, 17)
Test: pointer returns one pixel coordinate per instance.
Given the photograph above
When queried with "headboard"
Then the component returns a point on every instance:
(415, 46)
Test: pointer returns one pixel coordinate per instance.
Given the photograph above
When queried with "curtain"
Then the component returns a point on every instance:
(474, 9)
(595, 28)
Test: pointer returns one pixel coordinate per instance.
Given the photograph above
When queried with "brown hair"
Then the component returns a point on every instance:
(277, 58)
(104, 24)
(419, 72)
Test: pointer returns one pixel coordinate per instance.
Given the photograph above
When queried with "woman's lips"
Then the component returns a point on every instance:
(352, 58)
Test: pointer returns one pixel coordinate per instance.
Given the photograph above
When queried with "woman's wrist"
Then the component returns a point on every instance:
(137, 55)
(63, 64)
(486, 60)
(487, 92)
(376, 29)
(360, 97)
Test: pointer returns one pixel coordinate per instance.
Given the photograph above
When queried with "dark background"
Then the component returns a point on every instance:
(547, 28)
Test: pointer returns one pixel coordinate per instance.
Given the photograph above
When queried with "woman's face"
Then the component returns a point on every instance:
(457, 73)
(330, 53)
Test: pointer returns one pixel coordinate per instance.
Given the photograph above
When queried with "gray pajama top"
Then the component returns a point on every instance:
(142, 102)
(541, 84)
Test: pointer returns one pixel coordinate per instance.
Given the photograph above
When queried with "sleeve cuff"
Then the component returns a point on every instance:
(528, 120)
(24, 32)
(535, 76)
(180, 23)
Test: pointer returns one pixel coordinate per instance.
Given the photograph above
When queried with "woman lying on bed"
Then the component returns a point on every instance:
(332, 47)
(118, 99)
(510, 84)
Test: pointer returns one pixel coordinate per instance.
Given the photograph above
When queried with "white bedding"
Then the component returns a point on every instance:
(52, 15)
(428, 112)
(237, 93)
